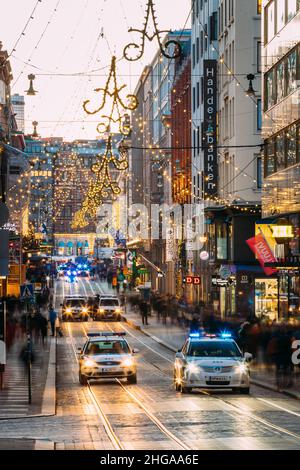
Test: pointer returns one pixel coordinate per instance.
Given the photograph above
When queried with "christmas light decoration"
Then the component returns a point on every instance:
(103, 184)
(116, 114)
(150, 12)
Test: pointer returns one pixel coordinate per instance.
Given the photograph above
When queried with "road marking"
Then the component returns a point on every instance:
(279, 407)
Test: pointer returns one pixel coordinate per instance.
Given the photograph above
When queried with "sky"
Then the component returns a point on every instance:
(64, 37)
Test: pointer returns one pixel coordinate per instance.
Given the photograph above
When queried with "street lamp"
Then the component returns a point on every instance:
(250, 91)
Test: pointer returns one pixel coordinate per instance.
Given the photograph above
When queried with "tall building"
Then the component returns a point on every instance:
(153, 122)
(281, 130)
(18, 104)
(227, 143)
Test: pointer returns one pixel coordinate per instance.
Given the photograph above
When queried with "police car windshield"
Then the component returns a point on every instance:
(213, 349)
(75, 302)
(109, 302)
(107, 347)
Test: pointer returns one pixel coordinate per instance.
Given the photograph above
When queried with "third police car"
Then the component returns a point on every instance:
(211, 361)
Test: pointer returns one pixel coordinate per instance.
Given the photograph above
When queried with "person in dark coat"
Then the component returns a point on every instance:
(42, 326)
(144, 309)
(52, 319)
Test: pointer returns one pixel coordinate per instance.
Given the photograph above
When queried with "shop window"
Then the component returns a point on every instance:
(280, 152)
(266, 299)
(222, 241)
(291, 146)
(259, 115)
(259, 172)
(298, 143)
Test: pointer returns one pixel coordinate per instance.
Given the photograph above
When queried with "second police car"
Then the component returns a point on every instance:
(107, 355)
(211, 362)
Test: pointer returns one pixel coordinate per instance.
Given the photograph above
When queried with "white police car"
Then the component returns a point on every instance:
(107, 355)
(211, 362)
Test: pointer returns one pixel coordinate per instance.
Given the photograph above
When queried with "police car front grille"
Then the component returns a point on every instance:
(217, 369)
(109, 363)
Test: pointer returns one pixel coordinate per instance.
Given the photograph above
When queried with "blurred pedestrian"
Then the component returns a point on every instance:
(42, 324)
(144, 309)
(52, 319)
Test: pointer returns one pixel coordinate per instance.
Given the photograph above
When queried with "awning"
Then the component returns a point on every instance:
(61, 245)
(70, 244)
(79, 244)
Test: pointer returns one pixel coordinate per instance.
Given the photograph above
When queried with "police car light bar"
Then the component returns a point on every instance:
(95, 334)
(226, 335)
(194, 335)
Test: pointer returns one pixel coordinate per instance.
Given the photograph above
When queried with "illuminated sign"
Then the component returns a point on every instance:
(209, 129)
(282, 231)
(196, 280)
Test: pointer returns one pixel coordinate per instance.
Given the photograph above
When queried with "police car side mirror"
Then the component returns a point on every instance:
(61, 305)
(135, 351)
(80, 351)
(248, 357)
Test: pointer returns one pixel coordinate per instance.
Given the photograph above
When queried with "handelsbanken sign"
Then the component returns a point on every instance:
(209, 129)
(264, 254)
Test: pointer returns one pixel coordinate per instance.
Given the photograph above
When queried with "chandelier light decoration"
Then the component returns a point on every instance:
(164, 48)
(116, 114)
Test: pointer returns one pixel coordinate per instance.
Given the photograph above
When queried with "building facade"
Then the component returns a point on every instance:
(226, 141)
(281, 131)
(18, 104)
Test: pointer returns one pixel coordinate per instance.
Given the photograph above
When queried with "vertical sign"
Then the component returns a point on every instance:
(209, 137)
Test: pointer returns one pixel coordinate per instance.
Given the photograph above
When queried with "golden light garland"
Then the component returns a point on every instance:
(103, 184)
(150, 12)
(116, 115)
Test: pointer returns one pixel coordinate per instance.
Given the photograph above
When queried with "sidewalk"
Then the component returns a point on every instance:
(14, 396)
(173, 337)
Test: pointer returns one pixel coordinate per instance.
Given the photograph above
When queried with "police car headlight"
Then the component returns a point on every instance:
(242, 369)
(89, 363)
(118, 310)
(68, 310)
(128, 362)
(101, 310)
(85, 310)
(193, 368)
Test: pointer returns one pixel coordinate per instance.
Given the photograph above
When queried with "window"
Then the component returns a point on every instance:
(291, 139)
(280, 81)
(14, 170)
(270, 21)
(259, 115)
(214, 27)
(259, 7)
(221, 233)
(197, 50)
(280, 14)
(198, 94)
(270, 90)
(280, 152)
(258, 57)
(259, 172)
(194, 99)
(291, 72)
(292, 8)
(270, 158)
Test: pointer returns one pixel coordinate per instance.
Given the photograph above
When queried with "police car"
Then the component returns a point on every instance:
(211, 362)
(107, 355)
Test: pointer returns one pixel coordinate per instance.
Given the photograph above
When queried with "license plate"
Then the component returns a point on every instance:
(109, 370)
(219, 379)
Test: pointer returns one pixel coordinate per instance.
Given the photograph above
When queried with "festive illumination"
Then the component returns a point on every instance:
(164, 48)
(116, 114)
(103, 184)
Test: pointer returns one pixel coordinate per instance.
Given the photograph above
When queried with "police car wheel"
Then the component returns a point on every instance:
(132, 379)
(82, 379)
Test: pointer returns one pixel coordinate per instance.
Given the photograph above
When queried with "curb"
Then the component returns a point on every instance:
(49, 396)
(44, 445)
(258, 383)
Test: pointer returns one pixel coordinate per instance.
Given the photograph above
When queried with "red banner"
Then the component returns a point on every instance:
(261, 249)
